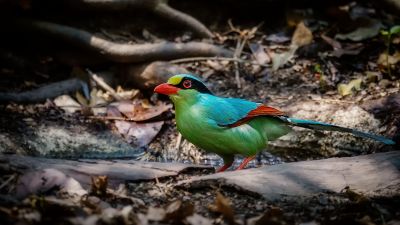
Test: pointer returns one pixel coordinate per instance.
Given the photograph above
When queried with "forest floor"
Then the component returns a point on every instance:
(322, 62)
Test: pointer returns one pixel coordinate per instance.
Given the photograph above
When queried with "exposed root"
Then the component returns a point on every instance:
(158, 7)
(179, 17)
(49, 91)
(125, 53)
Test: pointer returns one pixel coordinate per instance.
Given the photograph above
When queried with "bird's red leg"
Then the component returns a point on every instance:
(224, 167)
(245, 161)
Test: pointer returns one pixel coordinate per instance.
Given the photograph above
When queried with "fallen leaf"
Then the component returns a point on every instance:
(280, 59)
(369, 30)
(353, 195)
(332, 42)
(99, 185)
(278, 38)
(273, 215)
(113, 111)
(68, 104)
(222, 205)
(385, 59)
(43, 181)
(197, 219)
(215, 65)
(259, 53)
(346, 89)
(143, 133)
(96, 98)
(155, 214)
(302, 35)
(177, 211)
(339, 50)
(138, 111)
(123, 126)
(366, 220)
(140, 134)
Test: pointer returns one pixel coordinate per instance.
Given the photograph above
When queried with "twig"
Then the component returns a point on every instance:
(111, 118)
(7, 181)
(124, 53)
(178, 146)
(191, 59)
(239, 48)
(104, 85)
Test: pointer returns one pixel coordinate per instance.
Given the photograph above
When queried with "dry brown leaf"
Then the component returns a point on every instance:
(177, 211)
(302, 35)
(222, 205)
(99, 185)
(271, 216)
(139, 111)
(385, 59)
(354, 196)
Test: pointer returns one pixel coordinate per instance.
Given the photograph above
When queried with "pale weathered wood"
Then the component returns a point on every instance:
(367, 174)
(117, 171)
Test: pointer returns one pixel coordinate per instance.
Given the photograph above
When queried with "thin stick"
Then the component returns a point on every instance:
(238, 52)
(7, 181)
(112, 118)
(178, 146)
(104, 85)
(191, 59)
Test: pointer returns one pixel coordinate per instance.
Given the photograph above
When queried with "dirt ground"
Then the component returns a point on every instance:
(311, 77)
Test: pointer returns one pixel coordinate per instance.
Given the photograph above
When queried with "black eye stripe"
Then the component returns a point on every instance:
(195, 84)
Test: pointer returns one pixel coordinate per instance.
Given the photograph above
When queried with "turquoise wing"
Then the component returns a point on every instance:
(226, 111)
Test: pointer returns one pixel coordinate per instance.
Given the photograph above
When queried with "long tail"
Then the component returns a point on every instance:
(330, 127)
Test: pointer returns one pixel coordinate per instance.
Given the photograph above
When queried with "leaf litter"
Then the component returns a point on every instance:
(326, 208)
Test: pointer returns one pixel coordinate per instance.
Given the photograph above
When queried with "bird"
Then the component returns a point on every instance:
(233, 126)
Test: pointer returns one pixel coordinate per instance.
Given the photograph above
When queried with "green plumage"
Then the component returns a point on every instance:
(229, 126)
(194, 118)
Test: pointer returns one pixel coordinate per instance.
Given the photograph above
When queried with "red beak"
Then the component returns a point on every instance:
(166, 89)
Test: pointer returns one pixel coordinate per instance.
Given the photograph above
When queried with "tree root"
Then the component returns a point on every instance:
(142, 76)
(147, 76)
(48, 91)
(125, 53)
(158, 7)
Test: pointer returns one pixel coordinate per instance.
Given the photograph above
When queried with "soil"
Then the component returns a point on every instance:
(44, 129)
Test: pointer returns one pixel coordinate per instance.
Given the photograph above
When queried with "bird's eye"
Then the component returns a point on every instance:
(187, 84)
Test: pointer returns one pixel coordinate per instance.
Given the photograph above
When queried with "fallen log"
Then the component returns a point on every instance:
(117, 171)
(368, 174)
(123, 53)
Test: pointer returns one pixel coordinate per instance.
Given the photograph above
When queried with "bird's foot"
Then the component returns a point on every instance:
(245, 162)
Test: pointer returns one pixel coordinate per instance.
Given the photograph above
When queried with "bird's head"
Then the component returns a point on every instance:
(182, 85)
